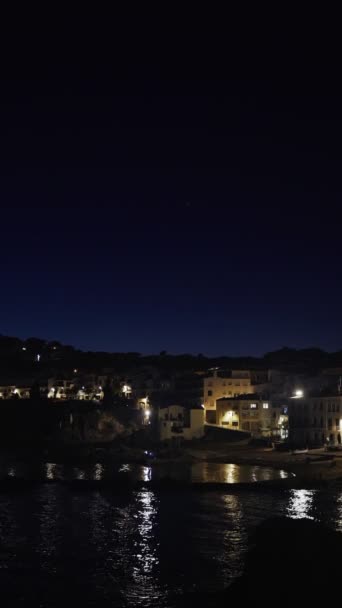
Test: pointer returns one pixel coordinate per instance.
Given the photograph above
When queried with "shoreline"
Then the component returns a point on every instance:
(313, 470)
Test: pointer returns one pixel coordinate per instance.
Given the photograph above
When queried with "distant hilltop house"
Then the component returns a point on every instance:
(177, 422)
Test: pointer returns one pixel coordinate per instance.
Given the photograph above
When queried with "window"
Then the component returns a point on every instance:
(210, 393)
(329, 423)
(337, 422)
(235, 423)
(253, 406)
(265, 406)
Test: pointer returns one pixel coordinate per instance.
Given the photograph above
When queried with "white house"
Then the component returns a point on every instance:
(176, 421)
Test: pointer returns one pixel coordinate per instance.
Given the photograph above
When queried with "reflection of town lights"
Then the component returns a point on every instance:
(38, 358)
(24, 348)
(75, 371)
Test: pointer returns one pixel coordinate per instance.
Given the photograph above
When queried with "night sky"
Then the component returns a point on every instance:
(146, 211)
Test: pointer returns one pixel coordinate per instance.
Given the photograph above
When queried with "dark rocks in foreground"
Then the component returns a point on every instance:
(290, 562)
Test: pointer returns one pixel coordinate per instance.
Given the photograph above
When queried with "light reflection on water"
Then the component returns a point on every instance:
(125, 468)
(210, 472)
(202, 472)
(140, 548)
(146, 473)
(98, 472)
(51, 470)
(235, 535)
(300, 503)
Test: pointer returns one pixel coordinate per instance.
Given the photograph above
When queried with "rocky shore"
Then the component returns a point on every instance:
(290, 563)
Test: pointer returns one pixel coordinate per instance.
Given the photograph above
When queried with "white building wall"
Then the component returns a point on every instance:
(175, 416)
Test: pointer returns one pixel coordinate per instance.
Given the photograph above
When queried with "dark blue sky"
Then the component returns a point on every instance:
(187, 215)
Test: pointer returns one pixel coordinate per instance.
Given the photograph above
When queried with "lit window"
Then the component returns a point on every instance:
(253, 406)
(265, 406)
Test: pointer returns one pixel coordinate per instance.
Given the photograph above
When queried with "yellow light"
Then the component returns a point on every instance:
(147, 413)
(227, 415)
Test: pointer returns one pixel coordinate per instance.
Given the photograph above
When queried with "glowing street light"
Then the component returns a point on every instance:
(298, 394)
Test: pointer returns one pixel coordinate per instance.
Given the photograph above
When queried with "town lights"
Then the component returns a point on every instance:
(148, 413)
(298, 394)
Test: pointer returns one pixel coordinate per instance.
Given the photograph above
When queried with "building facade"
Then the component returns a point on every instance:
(252, 414)
(227, 384)
(176, 422)
(316, 421)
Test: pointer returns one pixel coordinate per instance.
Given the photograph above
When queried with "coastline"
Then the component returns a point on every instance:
(313, 470)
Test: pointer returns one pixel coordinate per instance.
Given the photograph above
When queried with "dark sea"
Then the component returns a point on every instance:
(135, 547)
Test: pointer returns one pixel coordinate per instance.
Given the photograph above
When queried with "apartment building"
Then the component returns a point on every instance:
(315, 420)
(226, 384)
(253, 414)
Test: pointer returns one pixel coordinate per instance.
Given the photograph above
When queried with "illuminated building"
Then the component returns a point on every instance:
(221, 384)
(253, 414)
